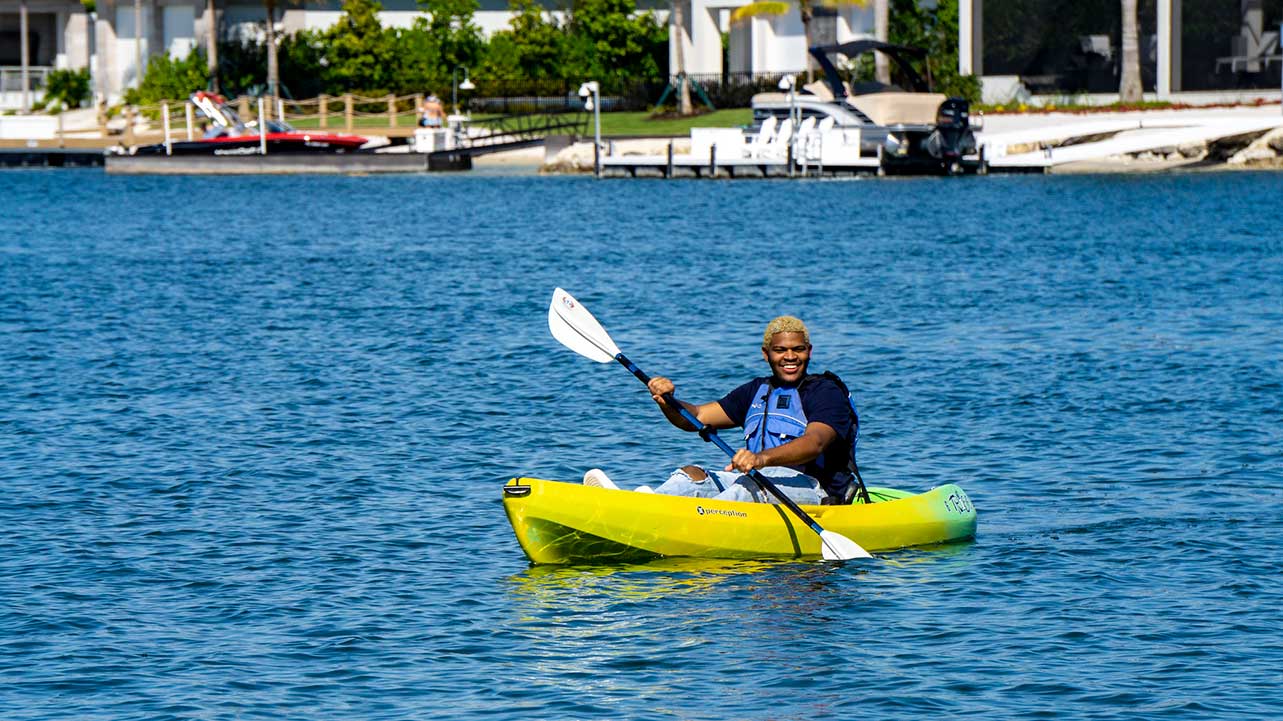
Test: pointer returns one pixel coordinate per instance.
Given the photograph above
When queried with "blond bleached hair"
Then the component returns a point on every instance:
(785, 324)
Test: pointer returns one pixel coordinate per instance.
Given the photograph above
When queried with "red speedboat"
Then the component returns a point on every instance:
(229, 135)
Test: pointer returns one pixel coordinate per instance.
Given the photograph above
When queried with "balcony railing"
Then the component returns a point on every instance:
(11, 84)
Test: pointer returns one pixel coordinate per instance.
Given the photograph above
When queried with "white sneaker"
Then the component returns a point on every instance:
(644, 489)
(597, 478)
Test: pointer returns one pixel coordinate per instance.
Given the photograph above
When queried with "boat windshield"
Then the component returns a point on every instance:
(273, 126)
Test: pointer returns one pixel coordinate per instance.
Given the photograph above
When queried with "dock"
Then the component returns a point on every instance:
(289, 164)
(1021, 144)
(710, 165)
(50, 158)
(730, 153)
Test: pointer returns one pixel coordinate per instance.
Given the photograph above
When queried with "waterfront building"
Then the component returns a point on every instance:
(1190, 49)
(767, 44)
(117, 39)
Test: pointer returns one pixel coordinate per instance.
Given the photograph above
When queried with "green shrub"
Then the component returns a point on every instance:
(934, 28)
(67, 88)
(169, 79)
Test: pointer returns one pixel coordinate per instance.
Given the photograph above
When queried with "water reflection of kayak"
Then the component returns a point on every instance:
(571, 523)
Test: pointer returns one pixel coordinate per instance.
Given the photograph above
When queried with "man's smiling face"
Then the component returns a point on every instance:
(788, 354)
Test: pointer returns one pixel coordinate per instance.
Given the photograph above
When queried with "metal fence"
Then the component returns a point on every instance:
(11, 85)
(11, 77)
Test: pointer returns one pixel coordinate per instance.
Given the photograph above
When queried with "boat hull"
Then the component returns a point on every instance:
(251, 145)
(571, 523)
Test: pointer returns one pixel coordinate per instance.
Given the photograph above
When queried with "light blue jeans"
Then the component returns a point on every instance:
(735, 486)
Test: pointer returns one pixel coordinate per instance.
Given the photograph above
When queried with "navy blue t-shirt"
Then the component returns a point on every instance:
(822, 401)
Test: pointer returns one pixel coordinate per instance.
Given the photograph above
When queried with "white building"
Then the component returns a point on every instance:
(767, 44)
(1230, 47)
(62, 35)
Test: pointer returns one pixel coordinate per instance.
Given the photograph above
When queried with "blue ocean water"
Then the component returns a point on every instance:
(253, 433)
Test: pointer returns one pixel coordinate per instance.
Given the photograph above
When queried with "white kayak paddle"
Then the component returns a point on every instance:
(577, 329)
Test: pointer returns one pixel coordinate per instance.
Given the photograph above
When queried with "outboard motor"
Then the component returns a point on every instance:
(952, 137)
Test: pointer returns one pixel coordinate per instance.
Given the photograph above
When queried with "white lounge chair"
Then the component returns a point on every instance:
(776, 146)
(757, 143)
(780, 143)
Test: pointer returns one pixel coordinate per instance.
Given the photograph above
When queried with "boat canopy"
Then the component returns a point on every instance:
(899, 54)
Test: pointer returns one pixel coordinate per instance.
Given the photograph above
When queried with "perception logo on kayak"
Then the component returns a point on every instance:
(719, 512)
(569, 303)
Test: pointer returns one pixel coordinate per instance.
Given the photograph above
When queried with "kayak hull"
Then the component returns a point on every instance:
(569, 523)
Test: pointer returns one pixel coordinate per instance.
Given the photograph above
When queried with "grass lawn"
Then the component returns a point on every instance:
(404, 120)
(612, 124)
(640, 123)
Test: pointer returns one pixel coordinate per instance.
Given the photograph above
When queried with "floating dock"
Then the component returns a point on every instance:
(50, 158)
(288, 163)
(728, 152)
(710, 166)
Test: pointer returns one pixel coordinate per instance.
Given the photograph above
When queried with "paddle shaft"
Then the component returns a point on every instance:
(711, 436)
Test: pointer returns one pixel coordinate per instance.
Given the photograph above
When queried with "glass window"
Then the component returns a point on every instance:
(1228, 44)
(1065, 46)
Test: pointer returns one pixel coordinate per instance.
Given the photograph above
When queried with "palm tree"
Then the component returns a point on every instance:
(211, 44)
(806, 8)
(683, 89)
(91, 10)
(273, 67)
(1129, 89)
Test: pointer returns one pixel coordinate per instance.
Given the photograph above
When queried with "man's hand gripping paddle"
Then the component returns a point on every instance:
(578, 330)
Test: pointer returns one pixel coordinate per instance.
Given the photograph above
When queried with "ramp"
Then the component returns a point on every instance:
(1126, 137)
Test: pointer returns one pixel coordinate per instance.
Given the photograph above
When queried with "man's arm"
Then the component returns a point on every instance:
(797, 452)
(710, 414)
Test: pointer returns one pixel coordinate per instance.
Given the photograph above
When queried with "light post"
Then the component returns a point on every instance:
(456, 86)
(591, 93)
(787, 83)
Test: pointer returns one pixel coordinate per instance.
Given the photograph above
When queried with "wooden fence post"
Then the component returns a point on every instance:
(418, 103)
(324, 103)
(129, 125)
(243, 110)
(347, 111)
(391, 110)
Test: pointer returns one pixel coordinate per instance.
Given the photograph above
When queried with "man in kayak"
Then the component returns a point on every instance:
(799, 429)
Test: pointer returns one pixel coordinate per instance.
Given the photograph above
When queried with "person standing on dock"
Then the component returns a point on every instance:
(432, 112)
(799, 429)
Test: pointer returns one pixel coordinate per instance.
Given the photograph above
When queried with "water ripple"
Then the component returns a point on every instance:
(254, 472)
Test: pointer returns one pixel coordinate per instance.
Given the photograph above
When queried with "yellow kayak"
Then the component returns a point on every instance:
(571, 523)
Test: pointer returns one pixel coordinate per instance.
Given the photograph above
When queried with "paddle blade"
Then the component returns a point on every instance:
(578, 330)
(837, 547)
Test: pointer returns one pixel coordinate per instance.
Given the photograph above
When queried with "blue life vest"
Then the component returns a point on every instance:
(776, 417)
